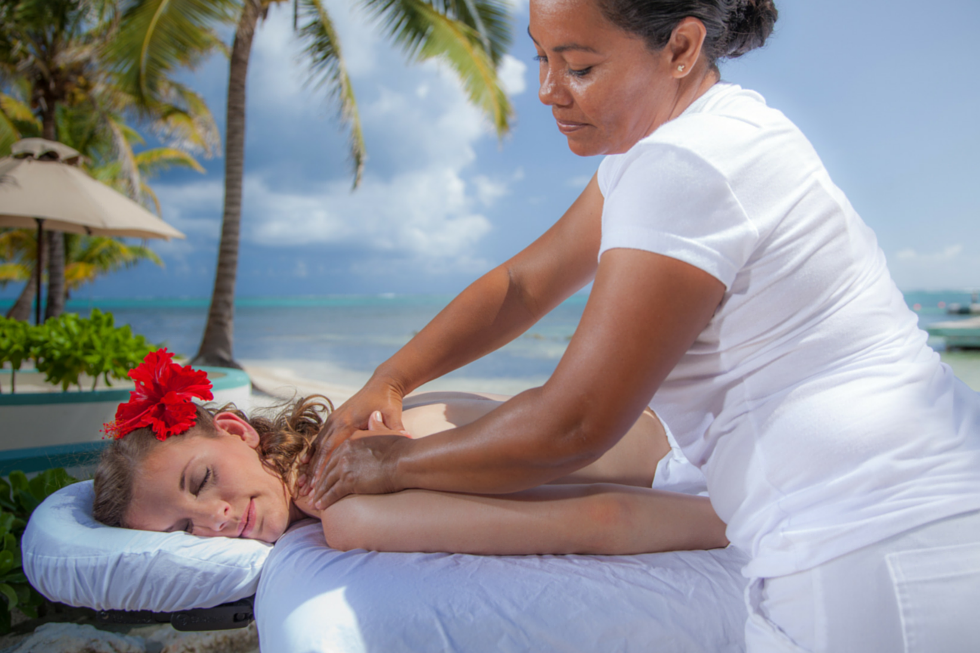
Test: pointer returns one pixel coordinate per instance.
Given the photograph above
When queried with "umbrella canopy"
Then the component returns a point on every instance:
(41, 186)
(39, 182)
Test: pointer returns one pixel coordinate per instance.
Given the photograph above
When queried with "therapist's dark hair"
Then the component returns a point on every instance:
(282, 440)
(734, 27)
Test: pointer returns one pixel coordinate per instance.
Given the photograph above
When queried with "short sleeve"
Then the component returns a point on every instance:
(668, 200)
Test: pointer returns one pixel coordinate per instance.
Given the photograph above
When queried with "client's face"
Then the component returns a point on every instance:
(210, 486)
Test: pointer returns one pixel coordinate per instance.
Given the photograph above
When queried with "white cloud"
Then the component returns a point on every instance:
(579, 182)
(511, 73)
(946, 254)
(518, 6)
(419, 201)
(489, 190)
(194, 208)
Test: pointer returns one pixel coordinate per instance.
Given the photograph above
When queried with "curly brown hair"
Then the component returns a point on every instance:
(283, 439)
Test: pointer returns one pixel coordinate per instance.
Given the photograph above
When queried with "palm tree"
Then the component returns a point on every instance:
(159, 36)
(87, 258)
(52, 54)
(107, 142)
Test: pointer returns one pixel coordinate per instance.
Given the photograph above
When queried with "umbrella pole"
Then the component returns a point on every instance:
(39, 269)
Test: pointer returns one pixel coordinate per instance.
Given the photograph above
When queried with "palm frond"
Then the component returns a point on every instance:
(423, 32)
(129, 171)
(151, 197)
(13, 272)
(99, 255)
(158, 37)
(158, 159)
(9, 134)
(330, 71)
(184, 119)
(18, 246)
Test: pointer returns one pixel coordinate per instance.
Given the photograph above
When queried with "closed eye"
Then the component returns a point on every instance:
(204, 481)
(581, 72)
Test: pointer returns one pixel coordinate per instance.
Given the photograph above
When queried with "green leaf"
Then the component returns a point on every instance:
(6, 562)
(329, 71)
(18, 481)
(8, 592)
(450, 33)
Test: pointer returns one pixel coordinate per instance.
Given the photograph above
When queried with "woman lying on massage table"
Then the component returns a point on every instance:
(224, 474)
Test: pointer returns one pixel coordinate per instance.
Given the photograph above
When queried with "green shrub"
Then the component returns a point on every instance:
(18, 343)
(70, 346)
(18, 499)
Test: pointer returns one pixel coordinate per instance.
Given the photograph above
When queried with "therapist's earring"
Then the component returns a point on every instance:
(680, 68)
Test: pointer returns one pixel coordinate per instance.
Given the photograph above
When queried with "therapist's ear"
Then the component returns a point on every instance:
(232, 424)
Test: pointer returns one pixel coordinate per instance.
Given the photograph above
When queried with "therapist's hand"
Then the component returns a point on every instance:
(352, 416)
(365, 463)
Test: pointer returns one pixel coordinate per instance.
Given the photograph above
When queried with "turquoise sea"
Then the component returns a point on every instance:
(341, 339)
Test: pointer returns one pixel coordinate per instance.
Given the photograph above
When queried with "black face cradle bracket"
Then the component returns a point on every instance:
(221, 617)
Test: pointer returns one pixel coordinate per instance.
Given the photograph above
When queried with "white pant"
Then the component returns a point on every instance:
(917, 592)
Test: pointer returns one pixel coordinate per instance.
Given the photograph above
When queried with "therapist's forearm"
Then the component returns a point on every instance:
(533, 439)
(625, 346)
(505, 302)
(487, 315)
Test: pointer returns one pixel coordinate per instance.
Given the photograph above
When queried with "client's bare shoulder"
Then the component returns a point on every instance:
(431, 412)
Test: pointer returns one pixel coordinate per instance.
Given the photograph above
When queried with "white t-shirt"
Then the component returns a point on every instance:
(819, 416)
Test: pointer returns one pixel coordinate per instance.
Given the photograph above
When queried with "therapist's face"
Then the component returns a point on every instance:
(606, 88)
(210, 486)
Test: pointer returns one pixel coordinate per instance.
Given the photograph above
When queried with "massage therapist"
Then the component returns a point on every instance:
(737, 292)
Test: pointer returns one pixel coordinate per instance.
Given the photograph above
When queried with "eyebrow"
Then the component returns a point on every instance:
(564, 48)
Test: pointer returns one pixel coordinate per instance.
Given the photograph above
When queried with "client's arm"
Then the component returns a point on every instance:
(598, 518)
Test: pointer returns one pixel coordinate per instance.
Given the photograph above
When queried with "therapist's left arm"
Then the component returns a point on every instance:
(645, 310)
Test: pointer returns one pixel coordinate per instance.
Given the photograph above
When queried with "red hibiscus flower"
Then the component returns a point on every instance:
(162, 399)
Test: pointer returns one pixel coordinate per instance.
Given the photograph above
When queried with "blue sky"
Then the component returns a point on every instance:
(883, 88)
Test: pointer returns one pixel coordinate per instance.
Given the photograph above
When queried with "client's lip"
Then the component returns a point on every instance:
(248, 520)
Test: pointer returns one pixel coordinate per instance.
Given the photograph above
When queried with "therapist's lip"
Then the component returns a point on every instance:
(248, 520)
(568, 126)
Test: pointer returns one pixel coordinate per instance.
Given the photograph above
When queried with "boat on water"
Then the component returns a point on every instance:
(958, 334)
(973, 308)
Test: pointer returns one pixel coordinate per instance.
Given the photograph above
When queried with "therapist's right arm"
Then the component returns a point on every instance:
(495, 309)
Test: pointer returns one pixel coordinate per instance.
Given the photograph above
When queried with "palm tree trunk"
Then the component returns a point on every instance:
(56, 275)
(216, 346)
(55, 240)
(21, 310)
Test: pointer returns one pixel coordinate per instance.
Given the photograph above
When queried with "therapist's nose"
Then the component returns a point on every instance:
(552, 91)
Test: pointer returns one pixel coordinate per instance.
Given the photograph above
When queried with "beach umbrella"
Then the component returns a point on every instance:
(42, 186)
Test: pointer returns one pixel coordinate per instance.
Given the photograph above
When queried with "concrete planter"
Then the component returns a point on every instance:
(42, 427)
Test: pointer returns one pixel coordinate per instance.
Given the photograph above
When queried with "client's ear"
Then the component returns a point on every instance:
(234, 425)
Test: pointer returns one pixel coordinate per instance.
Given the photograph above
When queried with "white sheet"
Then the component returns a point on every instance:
(312, 599)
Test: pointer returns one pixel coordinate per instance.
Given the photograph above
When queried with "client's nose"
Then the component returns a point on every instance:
(217, 519)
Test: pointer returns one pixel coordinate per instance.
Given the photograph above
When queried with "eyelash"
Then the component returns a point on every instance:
(574, 73)
(207, 476)
(204, 481)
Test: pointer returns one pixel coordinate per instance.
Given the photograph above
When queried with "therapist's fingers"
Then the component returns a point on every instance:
(361, 465)
(353, 415)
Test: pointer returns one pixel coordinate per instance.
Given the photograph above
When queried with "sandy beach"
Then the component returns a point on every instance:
(273, 384)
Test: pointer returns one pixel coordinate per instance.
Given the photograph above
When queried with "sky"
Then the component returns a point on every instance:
(884, 89)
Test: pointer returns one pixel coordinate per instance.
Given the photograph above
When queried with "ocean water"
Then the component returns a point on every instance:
(340, 340)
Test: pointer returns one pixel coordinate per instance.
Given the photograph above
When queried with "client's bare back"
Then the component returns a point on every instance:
(632, 461)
